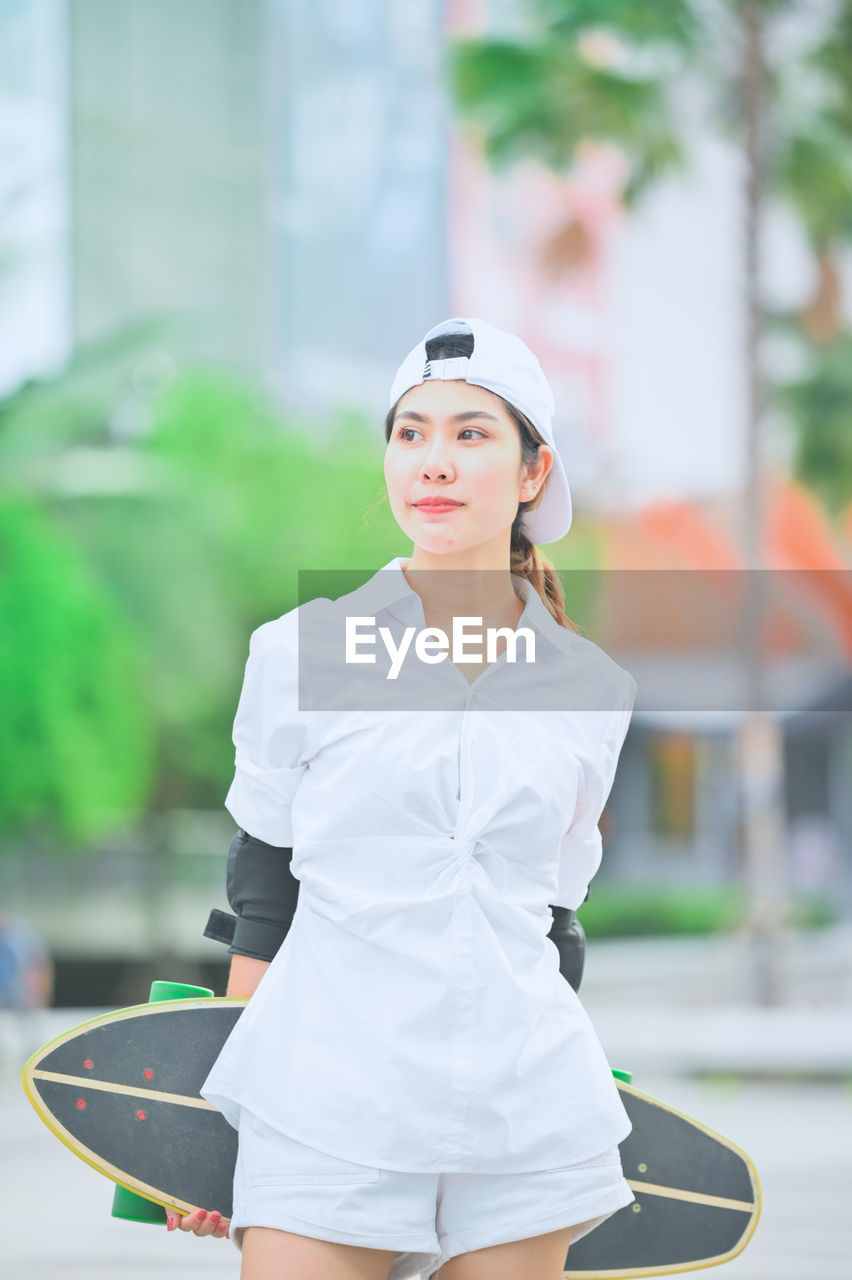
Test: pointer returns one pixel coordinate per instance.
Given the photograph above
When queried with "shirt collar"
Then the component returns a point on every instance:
(390, 589)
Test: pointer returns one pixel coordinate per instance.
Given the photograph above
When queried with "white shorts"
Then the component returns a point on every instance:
(426, 1218)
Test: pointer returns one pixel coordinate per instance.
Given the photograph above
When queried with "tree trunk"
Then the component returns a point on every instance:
(759, 754)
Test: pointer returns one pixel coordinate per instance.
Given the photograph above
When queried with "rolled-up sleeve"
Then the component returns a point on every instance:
(269, 736)
(581, 848)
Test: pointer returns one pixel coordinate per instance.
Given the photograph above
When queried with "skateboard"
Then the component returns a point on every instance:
(121, 1091)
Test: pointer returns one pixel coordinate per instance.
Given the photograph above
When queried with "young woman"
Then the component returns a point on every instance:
(418, 1092)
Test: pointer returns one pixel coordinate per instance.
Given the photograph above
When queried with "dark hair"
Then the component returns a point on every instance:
(525, 558)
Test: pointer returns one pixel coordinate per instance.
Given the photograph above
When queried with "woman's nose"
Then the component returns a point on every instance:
(437, 461)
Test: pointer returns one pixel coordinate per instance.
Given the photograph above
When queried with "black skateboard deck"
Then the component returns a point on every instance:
(121, 1092)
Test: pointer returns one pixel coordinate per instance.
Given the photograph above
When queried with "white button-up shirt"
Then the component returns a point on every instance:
(415, 1018)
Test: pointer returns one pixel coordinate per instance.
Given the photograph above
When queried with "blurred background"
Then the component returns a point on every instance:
(222, 225)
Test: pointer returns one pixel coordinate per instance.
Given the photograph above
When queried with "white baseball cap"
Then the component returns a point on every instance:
(501, 363)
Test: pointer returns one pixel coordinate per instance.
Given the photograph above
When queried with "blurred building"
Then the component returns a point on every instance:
(284, 189)
(359, 157)
(264, 180)
(673, 611)
(35, 328)
(169, 178)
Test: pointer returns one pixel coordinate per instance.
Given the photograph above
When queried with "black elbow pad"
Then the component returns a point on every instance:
(570, 938)
(263, 892)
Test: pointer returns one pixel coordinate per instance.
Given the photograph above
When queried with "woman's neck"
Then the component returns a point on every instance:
(448, 591)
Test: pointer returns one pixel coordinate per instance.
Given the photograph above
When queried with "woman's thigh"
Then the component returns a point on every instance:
(538, 1258)
(269, 1254)
(519, 1225)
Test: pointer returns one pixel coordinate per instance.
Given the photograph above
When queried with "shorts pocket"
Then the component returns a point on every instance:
(275, 1159)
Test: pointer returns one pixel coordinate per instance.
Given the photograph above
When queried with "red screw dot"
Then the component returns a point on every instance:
(88, 1064)
(81, 1102)
(148, 1073)
(141, 1115)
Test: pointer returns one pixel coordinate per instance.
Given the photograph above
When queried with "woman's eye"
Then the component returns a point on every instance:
(402, 434)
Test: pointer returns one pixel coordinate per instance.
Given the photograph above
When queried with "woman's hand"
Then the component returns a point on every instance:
(200, 1223)
(245, 974)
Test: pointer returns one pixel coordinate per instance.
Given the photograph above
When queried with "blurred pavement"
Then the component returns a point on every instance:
(683, 1006)
(680, 1006)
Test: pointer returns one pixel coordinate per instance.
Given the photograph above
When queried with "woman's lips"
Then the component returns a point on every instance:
(437, 508)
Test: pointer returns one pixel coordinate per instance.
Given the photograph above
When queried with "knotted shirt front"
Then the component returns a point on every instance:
(415, 1017)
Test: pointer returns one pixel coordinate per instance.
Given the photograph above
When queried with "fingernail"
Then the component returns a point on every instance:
(202, 1214)
(215, 1217)
(170, 1222)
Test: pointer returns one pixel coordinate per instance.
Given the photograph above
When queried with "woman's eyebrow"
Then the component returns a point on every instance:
(456, 417)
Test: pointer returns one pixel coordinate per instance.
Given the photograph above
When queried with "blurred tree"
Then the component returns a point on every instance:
(820, 404)
(814, 174)
(150, 518)
(615, 74)
(75, 740)
(581, 72)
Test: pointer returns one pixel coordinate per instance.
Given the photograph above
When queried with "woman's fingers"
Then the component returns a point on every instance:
(200, 1223)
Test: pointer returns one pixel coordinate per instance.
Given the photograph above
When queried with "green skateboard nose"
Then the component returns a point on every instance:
(161, 990)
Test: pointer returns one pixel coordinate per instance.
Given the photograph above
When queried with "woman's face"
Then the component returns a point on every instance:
(454, 440)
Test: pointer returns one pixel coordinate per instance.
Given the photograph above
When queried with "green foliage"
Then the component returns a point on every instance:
(832, 59)
(583, 577)
(582, 72)
(616, 910)
(814, 174)
(625, 910)
(656, 22)
(75, 738)
(543, 98)
(820, 407)
(134, 569)
(43, 419)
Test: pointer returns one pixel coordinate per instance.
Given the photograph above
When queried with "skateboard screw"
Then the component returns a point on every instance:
(88, 1064)
(148, 1073)
(141, 1115)
(80, 1104)
(643, 1168)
